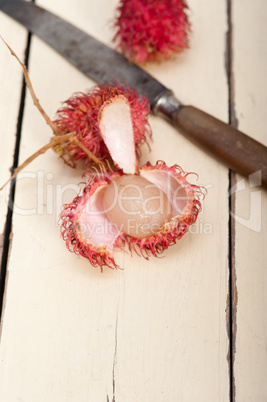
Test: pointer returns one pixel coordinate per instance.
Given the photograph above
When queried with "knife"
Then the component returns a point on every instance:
(237, 150)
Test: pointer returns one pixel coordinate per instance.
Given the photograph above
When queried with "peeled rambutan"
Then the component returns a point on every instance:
(151, 30)
(147, 209)
(79, 115)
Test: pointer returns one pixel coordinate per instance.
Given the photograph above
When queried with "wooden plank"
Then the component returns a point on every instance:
(155, 331)
(250, 84)
(10, 87)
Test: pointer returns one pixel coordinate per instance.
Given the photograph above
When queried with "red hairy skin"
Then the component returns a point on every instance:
(75, 243)
(151, 30)
(153, 245)
(79, 115)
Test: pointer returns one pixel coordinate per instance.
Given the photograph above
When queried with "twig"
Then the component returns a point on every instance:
(34, 97)
(54, 141)
(60, 136)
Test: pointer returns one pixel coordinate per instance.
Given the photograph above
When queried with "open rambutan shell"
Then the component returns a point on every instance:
(88, 232)
(79, 115)
(115, 210)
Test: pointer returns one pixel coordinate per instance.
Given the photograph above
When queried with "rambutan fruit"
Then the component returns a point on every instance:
(151, 30)
(147, 209)
(79, 115)
(76, 129)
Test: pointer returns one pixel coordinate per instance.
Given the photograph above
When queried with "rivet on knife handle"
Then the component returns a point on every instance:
(234, 148)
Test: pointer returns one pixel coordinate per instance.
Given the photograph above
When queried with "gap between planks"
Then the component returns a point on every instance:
(7, 235)
(232, 291)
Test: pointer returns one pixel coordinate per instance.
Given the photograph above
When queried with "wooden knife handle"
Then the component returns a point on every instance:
(234, 148)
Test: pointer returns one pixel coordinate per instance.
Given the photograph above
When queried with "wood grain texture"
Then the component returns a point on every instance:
(156, 330)
(250, 84)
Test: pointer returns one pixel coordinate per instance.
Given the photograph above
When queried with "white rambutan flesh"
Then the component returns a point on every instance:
(116, 127)
(136, 206)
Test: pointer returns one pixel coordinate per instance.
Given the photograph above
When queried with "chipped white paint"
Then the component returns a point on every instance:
(155, 331)
(250, 63)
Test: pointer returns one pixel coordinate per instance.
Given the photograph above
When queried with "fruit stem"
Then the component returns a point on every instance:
(60, 137)
(34, 97)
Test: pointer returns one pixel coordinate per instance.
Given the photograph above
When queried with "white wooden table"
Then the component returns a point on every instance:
(188, 327)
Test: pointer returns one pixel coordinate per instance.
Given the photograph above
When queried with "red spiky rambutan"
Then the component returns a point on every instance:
(79, 115)
(151, 30)
(147, 209)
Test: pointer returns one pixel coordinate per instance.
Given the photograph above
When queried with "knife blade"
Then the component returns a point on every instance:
(235, 149)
